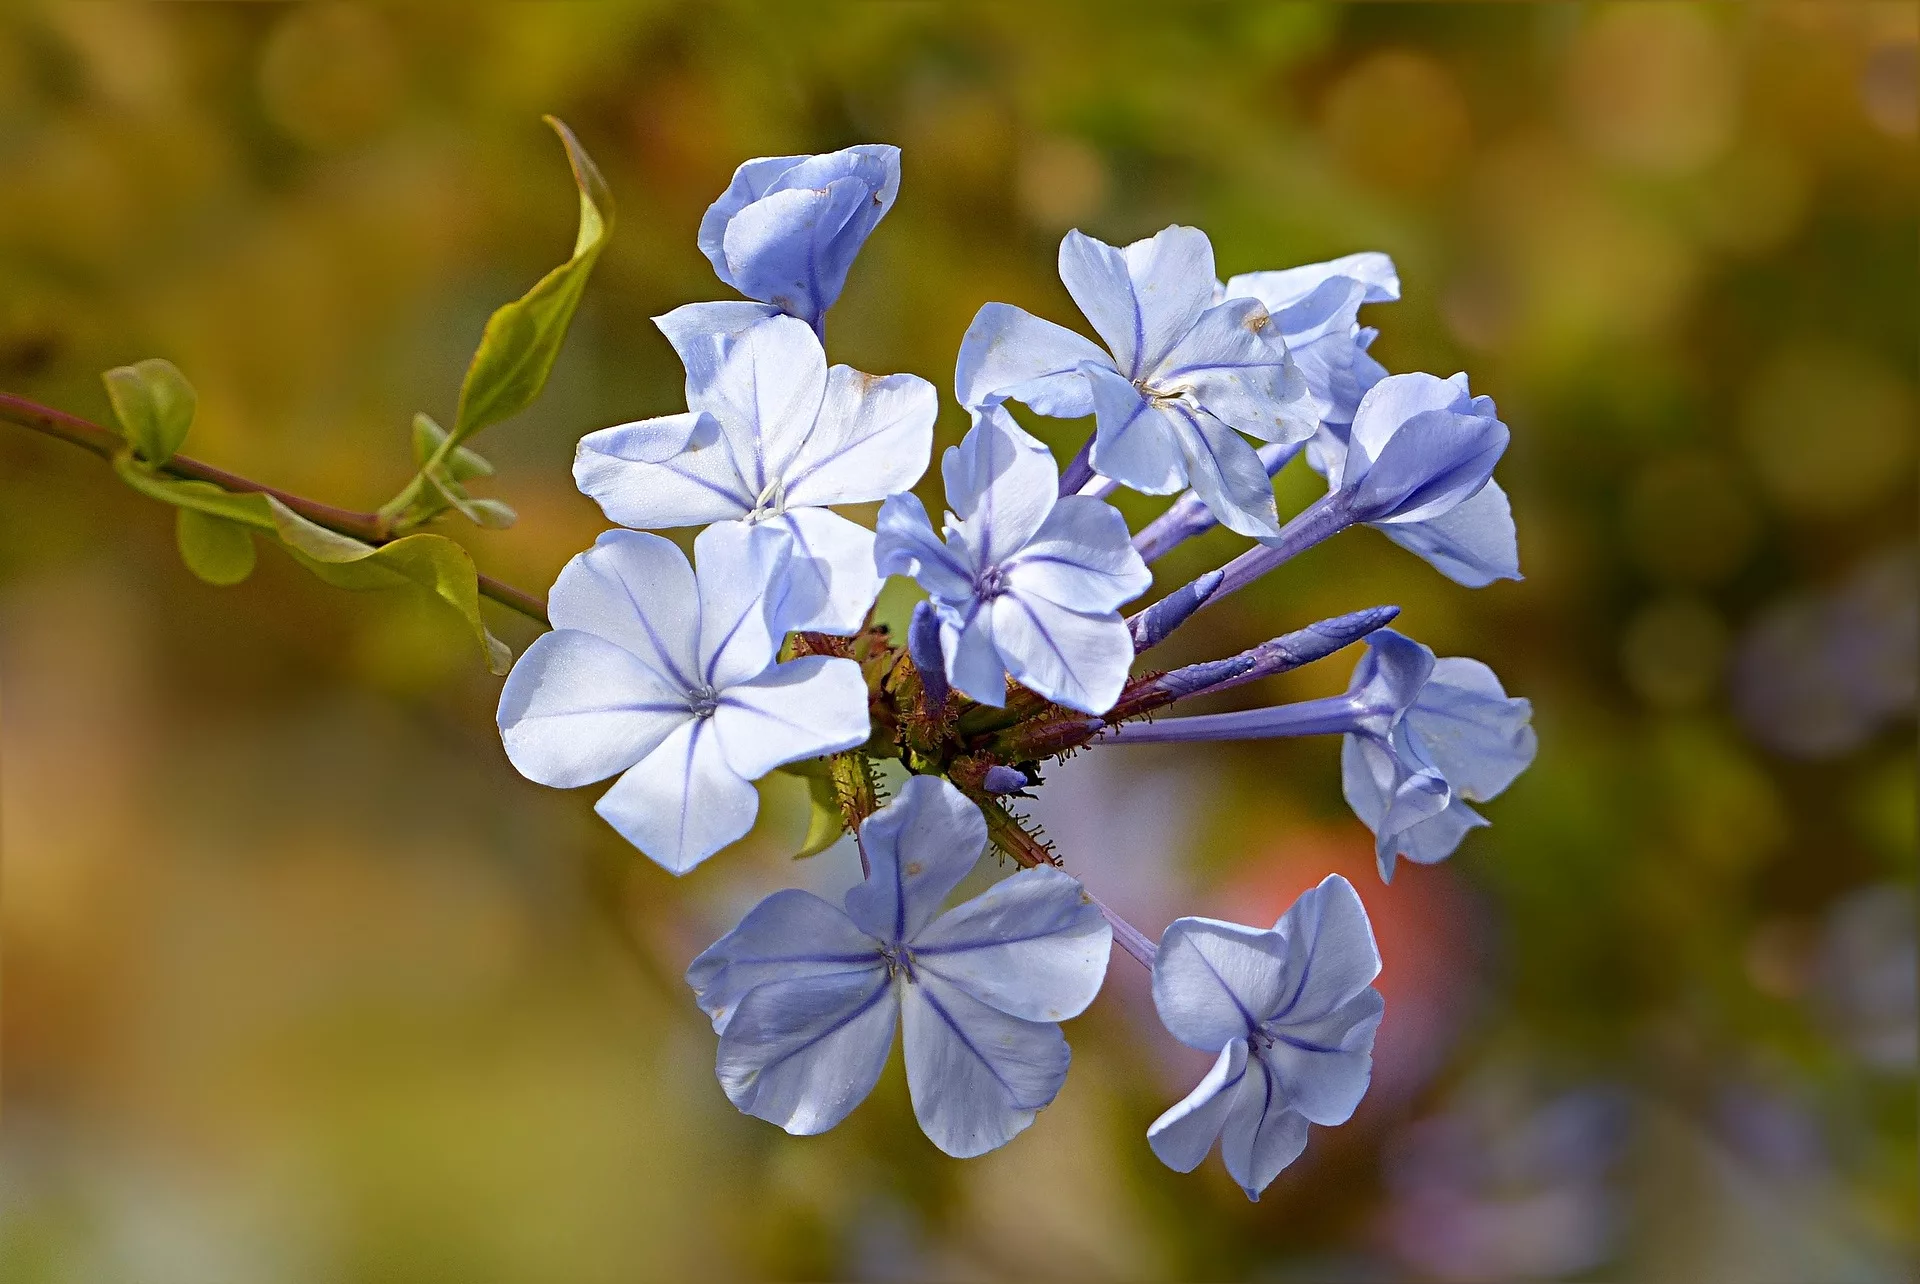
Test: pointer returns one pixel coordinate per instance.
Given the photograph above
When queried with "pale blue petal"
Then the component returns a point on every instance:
(1033, 945)
(1225, 472)
(1163, 285)
(1076, 658)
(1082, 557)
(1392, 796)
(831, 582)
(681, 803)
(1133, 443)
(1001, 482)
(976, 1075)
(1374, 271)
(814, 705)
(701, 333)
(1322, 1068)
(578, 708)
(1234, 364)
(905, 544)
(751, 180)
(974, 666)
(1185, 1133)
(1432, 840)
(1473, 544)
(1096, 277)
(1392, 402)
(1331, 955)
(790, 935)
(636, 590)
(741, 571)
(872, 438)
(782, 248)
(1214, 982)
(766, 395)
(1010, 354)
(1390, 676)
(919, 846)
(1261, 1135)
(676, 470)
(803, 1053)
(1432, 464)
(1469, 728)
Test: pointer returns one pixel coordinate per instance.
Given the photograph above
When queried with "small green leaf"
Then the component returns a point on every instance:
(217, 550)
(155, 405)
(518, 347)
(432, 563)
(489, 513)
(462, 464)
(825, 824)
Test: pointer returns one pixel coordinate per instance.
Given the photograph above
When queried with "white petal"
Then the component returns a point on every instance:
(766, 394)
(1076, 658)
(873, 438)
(920, 846)
(977, 1076)
(1008, 353)
(741, 571)
(1033, 945)
(1375, 272)
(1133, 442)
(1261, 1136)
(681, 803)
(1082, 557)
(577, 709)
(831, 581)
(1215, 982)
(673, 471)
(801, 709)
(788, 936)
(637, 590)
(803, 1053)
(701, 333)
(1186, 1132)
(1001, 483)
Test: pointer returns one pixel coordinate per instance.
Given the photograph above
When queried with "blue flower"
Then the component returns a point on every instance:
(772, 438)
(665, 675)
(787, 228)
(1444, 733)
(1420, 446)
(1185, 375)
(804, 997)
(1028, 583)
(1291, 1012)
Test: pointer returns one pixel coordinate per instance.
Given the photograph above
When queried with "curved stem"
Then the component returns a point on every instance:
(106, 443)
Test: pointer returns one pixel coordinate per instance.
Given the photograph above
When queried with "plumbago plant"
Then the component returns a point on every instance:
(684, 681)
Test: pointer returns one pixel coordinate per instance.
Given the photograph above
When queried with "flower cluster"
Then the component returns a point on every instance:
(689, 681)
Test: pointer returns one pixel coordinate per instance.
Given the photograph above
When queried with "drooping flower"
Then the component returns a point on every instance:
(804, 997)
(787, 228)
(1460, 739)
(1292, 1013)
(1185, 376)
(1420, 446)
(1028, 583)
(772, 437)
(665, 675)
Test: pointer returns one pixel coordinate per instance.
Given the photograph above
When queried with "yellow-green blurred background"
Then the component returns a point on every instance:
(302, 983)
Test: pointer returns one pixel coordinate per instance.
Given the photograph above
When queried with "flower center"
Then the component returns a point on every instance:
(899, 960)
(771, 502)
(988, 583)
(703, 701)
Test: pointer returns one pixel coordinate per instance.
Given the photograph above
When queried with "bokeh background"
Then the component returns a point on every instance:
(302, 983)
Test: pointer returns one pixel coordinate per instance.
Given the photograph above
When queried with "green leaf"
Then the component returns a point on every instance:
(155, 405)
(518, 347)
(490, 513)
(825, 823)
(217, 550)
(432, 563)
(462, 464)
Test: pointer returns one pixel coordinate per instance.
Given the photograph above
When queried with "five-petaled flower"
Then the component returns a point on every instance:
(804, 997)
(1441, 733)
(667, 674)
(787, 228)
(1028, 583)
(773, 436)
(1184, 377)
(1291, 1012)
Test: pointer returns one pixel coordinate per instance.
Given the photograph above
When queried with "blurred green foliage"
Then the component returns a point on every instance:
(304, 983)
